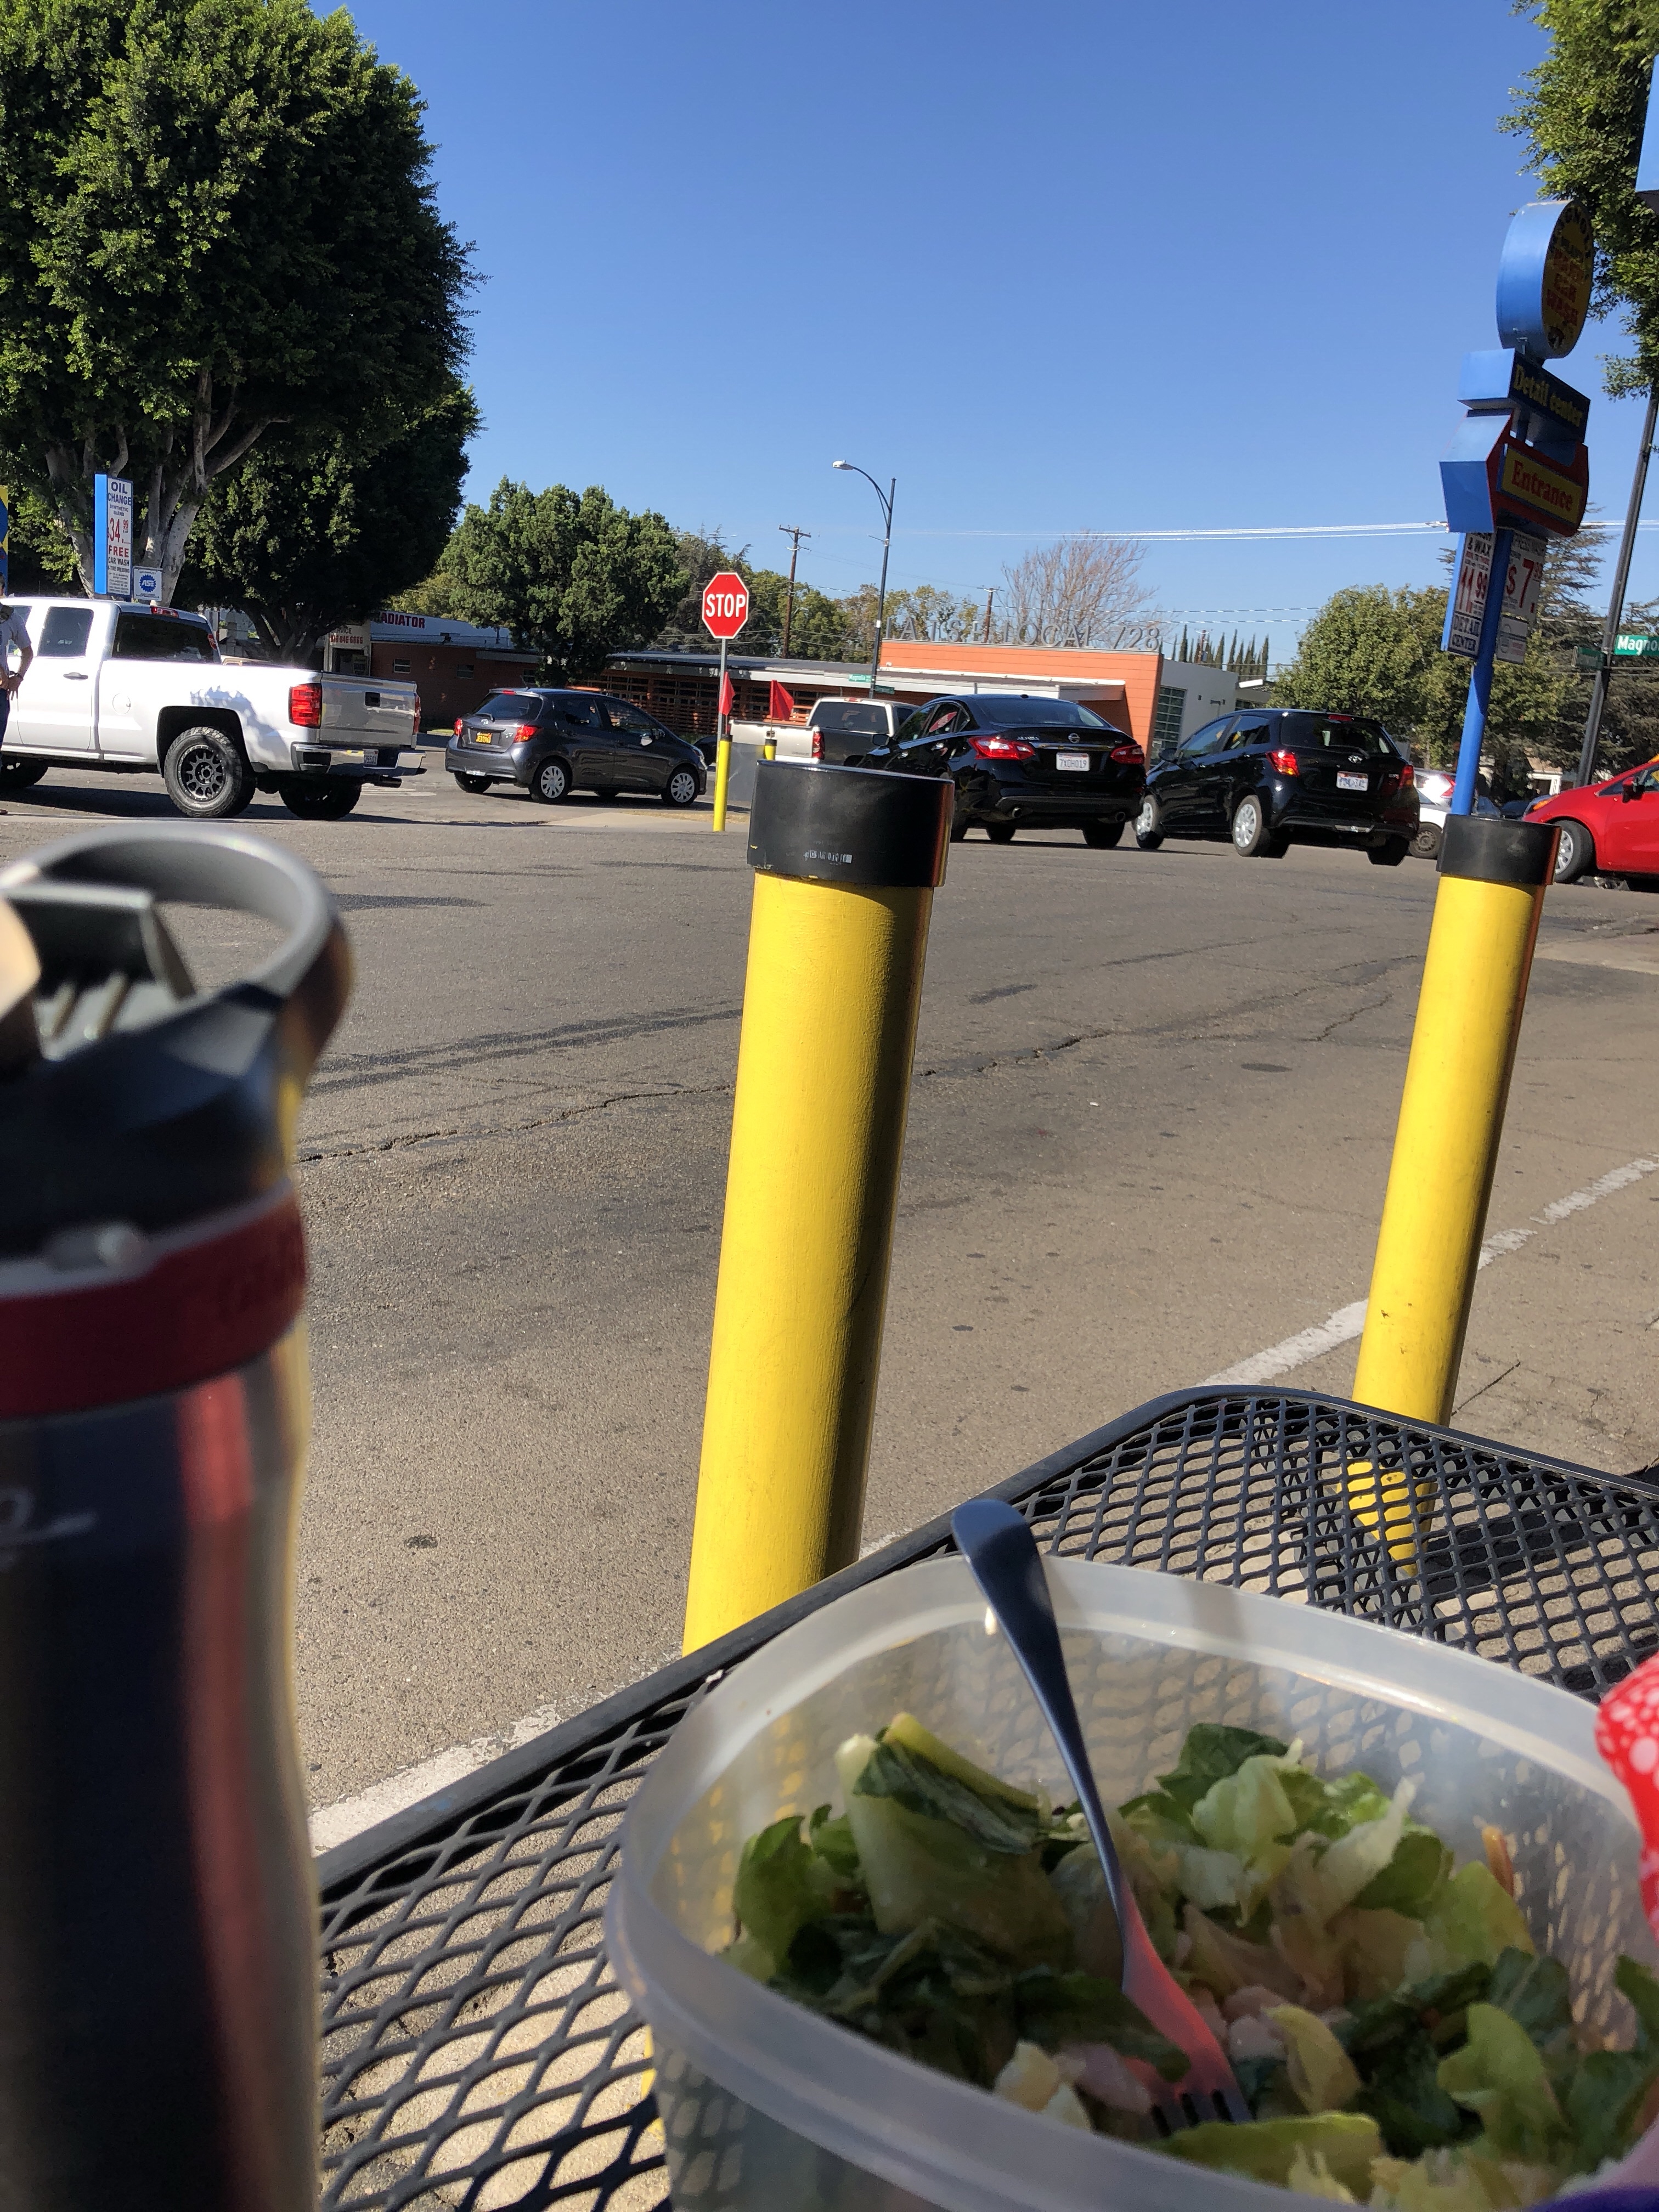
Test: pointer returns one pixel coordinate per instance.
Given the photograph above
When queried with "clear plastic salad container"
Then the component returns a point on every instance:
(768, 2108)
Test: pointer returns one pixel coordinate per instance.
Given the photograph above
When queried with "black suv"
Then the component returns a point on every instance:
(1274, 777)
(554, 743)
(1022, 763)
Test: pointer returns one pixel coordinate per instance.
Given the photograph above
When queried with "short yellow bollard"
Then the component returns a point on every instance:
(1492, 877)
(722, 777)
(847, 861)
(770, 748)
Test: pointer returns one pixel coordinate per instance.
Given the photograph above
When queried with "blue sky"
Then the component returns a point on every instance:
(1055, 267)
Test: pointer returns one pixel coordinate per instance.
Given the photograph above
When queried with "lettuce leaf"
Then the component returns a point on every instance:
(781, 1883)
(1211, 1752)
(995, 1823)
(1499, 2077)
(919, 1867)
(1247, 1812)
(1475, 1919)
(1412, 1877)
(1266, 2150)
(1056, 2008)
(1322, 2077)
(1608, 2093)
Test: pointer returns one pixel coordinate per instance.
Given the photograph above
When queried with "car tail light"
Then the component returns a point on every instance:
(1127, 752)
(305, 706)
(457, 725)
(1285, 760)
(817, 744)
(1407, 776)
(1004, 749)
(521, 731)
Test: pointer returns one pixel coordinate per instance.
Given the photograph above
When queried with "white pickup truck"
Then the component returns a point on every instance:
(121, 687)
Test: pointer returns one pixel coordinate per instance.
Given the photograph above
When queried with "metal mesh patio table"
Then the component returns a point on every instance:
(476, 2049)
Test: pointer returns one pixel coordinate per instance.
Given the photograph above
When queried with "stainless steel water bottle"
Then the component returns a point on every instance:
(158, 1972)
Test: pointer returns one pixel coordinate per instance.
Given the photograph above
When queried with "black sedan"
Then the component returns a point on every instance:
(553, 743)
(1281, 776)
(1022, 763)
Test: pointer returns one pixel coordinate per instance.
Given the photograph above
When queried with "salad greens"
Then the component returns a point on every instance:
(1399, 2043)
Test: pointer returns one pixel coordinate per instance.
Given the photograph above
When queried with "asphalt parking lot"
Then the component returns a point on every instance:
(1150, 1128)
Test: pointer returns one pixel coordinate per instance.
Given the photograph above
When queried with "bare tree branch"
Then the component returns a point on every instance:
(1080, 591)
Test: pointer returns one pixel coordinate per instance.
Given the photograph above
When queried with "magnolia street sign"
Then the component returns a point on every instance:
(1630, 645)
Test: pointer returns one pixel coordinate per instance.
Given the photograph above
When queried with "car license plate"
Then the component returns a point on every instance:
(1353, 782)
(481, 737)
(1078, 763)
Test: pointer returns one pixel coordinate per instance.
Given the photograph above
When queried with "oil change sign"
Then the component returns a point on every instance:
(1468, 602)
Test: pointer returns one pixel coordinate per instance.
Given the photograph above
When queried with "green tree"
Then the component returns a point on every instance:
(216, 215)
(1366, 652)
(305, 534)
(570, 572)
(1580, 112)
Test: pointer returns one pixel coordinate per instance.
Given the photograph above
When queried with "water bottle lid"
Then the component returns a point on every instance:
(130, 1101)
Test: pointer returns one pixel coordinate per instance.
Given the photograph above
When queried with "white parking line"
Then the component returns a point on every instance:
(1349, 1321)
(349, 1816)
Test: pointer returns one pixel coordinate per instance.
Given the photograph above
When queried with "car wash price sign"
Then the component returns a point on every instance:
(1516, 472)
(111, 538)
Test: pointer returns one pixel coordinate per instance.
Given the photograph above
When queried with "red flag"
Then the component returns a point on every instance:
(780, 707)
(727, 695)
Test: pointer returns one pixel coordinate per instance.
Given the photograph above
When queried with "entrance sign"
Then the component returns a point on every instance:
(111, 538)
(1493, 480)
(1544, 277)
(724, 604)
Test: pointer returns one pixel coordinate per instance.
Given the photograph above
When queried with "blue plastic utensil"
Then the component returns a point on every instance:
(1007, 1566)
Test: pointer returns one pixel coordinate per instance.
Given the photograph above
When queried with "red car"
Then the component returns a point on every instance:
(1612, 828)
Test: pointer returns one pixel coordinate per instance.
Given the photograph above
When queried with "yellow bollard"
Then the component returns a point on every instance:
(1492, 877)
(770, 748)
(722, 777)
(847, 861)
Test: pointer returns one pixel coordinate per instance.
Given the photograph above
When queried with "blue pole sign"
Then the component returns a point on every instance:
(1544, 275)
(111, 538)
(1517, 461)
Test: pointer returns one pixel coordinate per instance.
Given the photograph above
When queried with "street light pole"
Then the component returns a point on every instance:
(886, 499)
(794, 533)
(1616, 603)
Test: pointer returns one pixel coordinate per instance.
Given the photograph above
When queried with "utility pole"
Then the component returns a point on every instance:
(794, 533)
(990, 594)
(1616, 603)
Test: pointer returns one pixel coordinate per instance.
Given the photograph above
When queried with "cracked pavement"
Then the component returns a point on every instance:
(1150, 1128)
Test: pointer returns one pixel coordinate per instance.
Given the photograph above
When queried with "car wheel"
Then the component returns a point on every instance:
(681, 788)
(550, 783)
(1000, 833)
(18, 774)
(1574, 853)
(1103, 834)
(206, 775)
(1389, 855)
(1149, 829)
(475, 784)
(1250, 831)
(320, 799)
(1426, 843)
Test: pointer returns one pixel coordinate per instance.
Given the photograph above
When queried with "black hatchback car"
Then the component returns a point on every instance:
(1274, 777)
(1022, 763)
(553, 743)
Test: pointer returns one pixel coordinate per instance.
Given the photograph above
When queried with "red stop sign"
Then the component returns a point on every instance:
(724, 604)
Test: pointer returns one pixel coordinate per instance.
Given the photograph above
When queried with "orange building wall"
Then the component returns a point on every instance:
(1140, 673)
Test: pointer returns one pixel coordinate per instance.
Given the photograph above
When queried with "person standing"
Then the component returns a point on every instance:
(14, 636)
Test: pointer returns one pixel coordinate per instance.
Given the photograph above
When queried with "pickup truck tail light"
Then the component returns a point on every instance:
(305, 706)
(817, 744)
(1128, 752)
(1285, 760)
(1004, 749)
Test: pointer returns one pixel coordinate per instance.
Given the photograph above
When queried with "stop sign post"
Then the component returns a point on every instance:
(724, 612)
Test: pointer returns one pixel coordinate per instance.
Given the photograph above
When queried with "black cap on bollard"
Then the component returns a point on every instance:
(850, 825)
(1486, 848)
